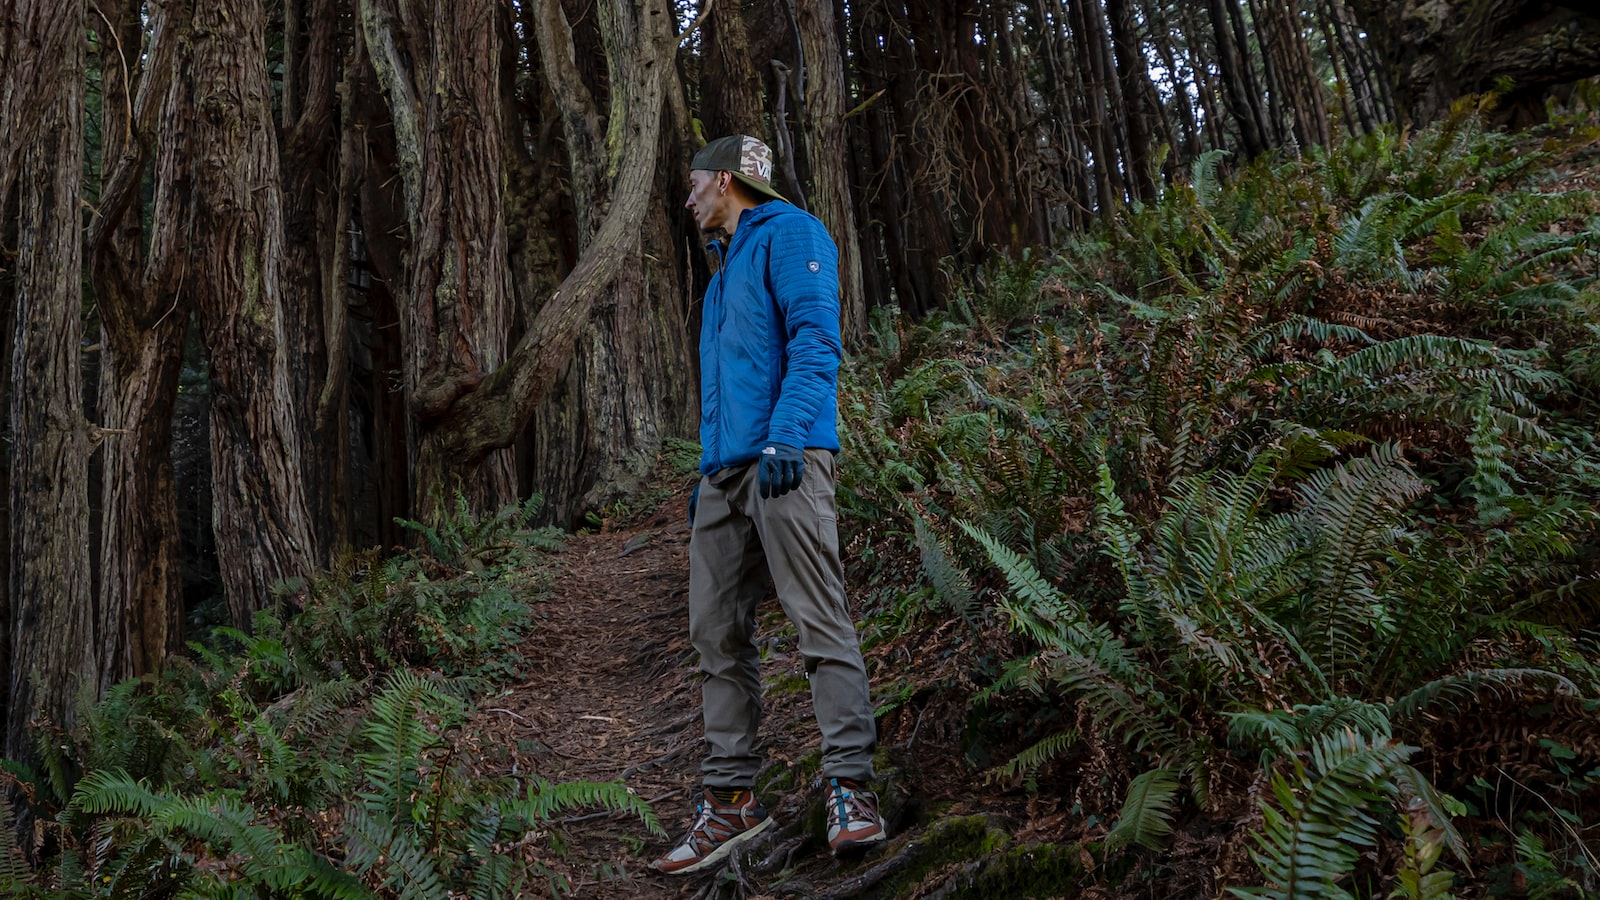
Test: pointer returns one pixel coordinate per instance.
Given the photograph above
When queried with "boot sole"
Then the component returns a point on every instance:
(721, 852)
(858, 848)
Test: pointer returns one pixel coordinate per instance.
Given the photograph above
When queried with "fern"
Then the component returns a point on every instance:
(399, 740)
(1041, 754)
(1324, 816)
(1146, 817)
(544, 799)
(13, 866)
(951, 583)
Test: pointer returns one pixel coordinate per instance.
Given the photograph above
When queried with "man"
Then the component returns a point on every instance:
(764, 507)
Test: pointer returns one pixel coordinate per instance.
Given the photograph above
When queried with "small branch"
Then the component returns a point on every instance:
(694, 26)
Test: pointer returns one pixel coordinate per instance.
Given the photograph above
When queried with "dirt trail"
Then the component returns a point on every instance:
(611, 695)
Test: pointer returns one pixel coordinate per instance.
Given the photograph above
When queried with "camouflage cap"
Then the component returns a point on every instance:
(745, 157)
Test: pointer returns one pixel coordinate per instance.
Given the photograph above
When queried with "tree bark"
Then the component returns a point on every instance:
(487, 416)
(317, 196)
(1441, 50)
(1238, 93)
(1101, 127)
(730, 86)
(439, 66)
(830, 163)
(51, 589)
(35, 36)
(1133, 74)
(600, 419)
(143, 315)
(260, 512)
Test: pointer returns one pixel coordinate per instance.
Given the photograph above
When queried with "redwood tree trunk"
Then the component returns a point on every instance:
(439, 66)
(35, 36)
(629, 383)
(259, 507)
(485, 418)
(51, 589)
(830, 160)
(730, 87)
(1439, 50)
(143, 316)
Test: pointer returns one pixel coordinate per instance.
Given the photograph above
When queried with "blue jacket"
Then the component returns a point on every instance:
(769, 339)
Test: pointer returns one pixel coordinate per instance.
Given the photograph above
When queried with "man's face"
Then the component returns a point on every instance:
(709, 199)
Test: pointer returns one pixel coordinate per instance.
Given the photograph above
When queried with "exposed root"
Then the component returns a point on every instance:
(908, 856)
(782, 855)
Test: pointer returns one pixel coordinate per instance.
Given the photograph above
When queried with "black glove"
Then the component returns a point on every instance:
(694, 501)
(782, 467)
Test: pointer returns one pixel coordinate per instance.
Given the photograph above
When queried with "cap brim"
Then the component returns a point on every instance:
(759, 187)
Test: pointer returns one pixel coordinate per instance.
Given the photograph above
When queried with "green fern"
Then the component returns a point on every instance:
(399, 740)
(1040, 754)
(1324, 816)
(951, 583)
(543, 800)
(1146, 817)
(13, 866)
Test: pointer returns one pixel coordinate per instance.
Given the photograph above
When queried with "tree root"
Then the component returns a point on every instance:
(664, 758)
(782, 855)
(908, 856)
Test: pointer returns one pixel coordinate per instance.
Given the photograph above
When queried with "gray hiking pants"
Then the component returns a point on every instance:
(741, 544)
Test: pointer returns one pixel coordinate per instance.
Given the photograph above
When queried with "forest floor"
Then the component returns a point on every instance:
(610, 693)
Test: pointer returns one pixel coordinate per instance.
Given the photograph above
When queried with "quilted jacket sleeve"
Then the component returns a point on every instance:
(804, 268)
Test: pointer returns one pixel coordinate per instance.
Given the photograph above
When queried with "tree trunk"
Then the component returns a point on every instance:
(1443, 49)
(830, 162)
(1191, 143)
(1364, 76)
(730, 86)
(885, 199)
(317, 197)
(1101, 127)
(51, 589)
(488, 416)
(143, 316)
(439, 65)
(1133, 74)
(35, 36)
(1238, 92)
(260, 514)
(628, 383)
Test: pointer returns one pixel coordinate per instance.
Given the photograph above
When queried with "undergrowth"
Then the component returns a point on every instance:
(1284, 489)
(312, 756)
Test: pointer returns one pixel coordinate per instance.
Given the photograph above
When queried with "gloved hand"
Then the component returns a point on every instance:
(694, 501)
(782, 467)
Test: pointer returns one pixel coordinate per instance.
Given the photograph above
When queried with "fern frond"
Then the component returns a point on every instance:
(13, 866)
(112, 791)
(1039, 597)
(1418, 794)
(545, 799)
(1146, 816)
(1462, 686)
(1040, 754)
(952, 585)
(1322, 818)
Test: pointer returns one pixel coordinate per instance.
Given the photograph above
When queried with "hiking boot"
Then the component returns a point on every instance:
(853, 820)
(718, 828)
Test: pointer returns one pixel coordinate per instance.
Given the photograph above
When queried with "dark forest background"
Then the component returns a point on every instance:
(280, 274)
